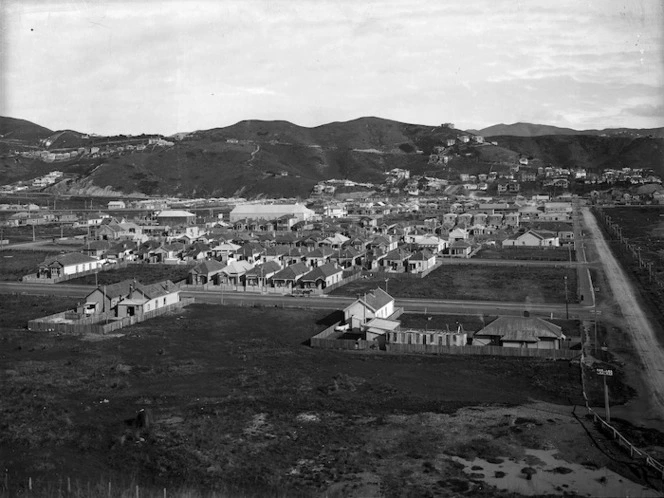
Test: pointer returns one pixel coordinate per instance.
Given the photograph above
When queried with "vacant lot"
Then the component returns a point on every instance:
(239, 402)
(143, 273)
(527, 253)
(49, 232)
(472, 282)
(14, 263)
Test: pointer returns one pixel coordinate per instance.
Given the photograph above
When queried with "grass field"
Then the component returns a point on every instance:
(24, 233)
(528, 253)
(472, 282)
(241, 403)
(15, 263)
(143, 273)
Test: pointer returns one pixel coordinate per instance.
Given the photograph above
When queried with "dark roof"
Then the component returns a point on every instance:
(156, 290)
(71, 258)
(207, 267)
(265, 269)
(120, 289)
(516, 328)
(292, 272)
(423, 255)
(321, 272)
(376, 299)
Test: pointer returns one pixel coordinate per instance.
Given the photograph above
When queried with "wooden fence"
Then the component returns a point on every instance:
(330, 339)
(98, 324)
(554, 354)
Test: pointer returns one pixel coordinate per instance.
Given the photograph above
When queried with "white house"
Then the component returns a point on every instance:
(67, 265)
(375, 304)
(270, 212)
(533, 239)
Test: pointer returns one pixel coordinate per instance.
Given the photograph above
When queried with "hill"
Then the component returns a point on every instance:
(278, 158)
(535, 130)
(592, 152)
(20, 129)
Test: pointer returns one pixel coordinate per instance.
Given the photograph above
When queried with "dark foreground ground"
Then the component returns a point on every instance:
(239, 403)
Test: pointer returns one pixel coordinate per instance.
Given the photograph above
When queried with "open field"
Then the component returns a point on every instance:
(528, 253)
(48, 232)
(240, 404)
(471, 282)
(143, 273)
(16, 263)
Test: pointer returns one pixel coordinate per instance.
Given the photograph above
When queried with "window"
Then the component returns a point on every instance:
(164, 301)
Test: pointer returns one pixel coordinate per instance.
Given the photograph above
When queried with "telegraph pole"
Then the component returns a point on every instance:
(566, 301)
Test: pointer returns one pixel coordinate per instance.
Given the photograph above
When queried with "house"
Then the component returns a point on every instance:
(258, 277)
(460, 249)
(429, 242)
(271, 212)
(348, 257)
(458, 234)
(106, 297)
(116, 205)
(421, 261)
(68, 264)
(250, 252)
(374, 304)
(287, 278)
(233, 273)
(146, 298)
(520, 332)
(319, 257)
(532, 238)
(322, 276)
(396, 260)
(428, 337)
(175, 218)
(205, 272)
(168, 253)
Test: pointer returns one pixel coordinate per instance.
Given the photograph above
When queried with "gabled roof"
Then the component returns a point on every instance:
(292, 272)
(118, 289)
(398, 254)
(423, 255)
(460, 244)
(321, 272)
(237, 268)
(68, 259)
(207, 267)
(320, 252)
(157, 290)
(267, 268)
(376, 299)
(525, 329)
(347, 253)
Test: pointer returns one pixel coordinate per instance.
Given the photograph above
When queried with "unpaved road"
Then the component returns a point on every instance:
(639, 328)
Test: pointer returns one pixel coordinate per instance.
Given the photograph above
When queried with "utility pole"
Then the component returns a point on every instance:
(566, 301)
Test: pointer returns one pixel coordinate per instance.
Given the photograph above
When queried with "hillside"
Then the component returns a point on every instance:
(535, 130)
(592, 152)
(20, 129)
(277, 158)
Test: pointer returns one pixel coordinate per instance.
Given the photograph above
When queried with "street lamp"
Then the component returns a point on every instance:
(386, 285)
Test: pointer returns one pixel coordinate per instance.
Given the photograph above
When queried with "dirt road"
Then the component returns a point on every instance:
(639, 328)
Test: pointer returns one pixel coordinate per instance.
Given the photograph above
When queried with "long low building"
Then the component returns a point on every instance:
(270, 212)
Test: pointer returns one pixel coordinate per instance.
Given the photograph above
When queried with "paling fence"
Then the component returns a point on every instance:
(99, 324)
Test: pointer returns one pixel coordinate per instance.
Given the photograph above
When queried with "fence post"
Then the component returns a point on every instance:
(68, 485)
(30, 483)
(137, 494)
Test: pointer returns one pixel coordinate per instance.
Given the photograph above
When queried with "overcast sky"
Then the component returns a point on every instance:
(154, 66)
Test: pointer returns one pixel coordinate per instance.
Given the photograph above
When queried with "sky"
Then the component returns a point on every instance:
(111, 67)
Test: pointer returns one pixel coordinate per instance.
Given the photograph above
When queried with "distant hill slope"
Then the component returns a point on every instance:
(277, 158)
(20, 129)
(587, 151)
(536, 130)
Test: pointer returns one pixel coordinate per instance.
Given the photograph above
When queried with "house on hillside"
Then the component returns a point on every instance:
(146, 298)
(520, 332)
